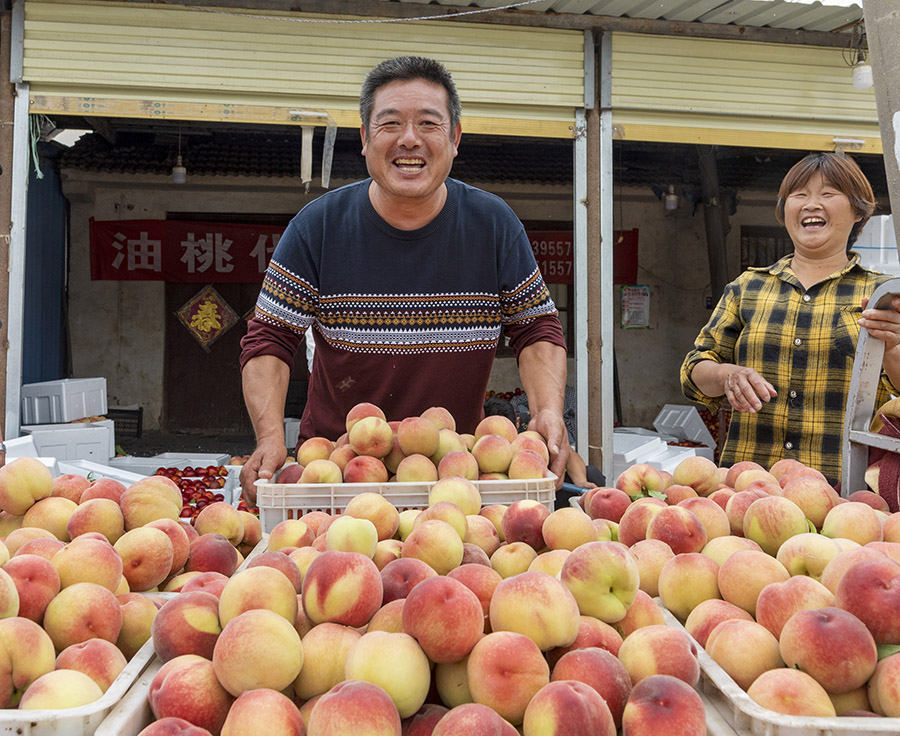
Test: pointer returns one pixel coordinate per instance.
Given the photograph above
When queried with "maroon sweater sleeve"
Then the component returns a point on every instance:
(541, 329)
(265, 339)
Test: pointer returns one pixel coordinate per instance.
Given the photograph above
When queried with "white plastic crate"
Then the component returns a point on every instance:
(64, 400)
(83, 720)
(108, 423)
(280, 501)
(746, 718)
(72, 441)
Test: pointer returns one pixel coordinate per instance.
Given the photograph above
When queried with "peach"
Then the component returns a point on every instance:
(342, 587)
(710, 514)
(81, 612)
(777, 602)
(60, 689)
(188, 624)
(481, 580)
(45, 547)
(494, 512)
(844, 559)
(884, 687)
(592, 633)
(686, 580)
(451, 682)
(735, 470)
(762, 478)
(377, 509)
(870, 590)
(417, 436)
(257, 648)
(435, 543)
(69, 485)
(737, 506)
(537, 605)
(149, 499)
(524, 441)
(679, 528)
(258, 587)
(440, 416)
(342, 455)
(36, 581)
(394, 662)
(697, 472)
(23, 481)
(187, 687)
(650, 555)
(505, 670)
(791, 692)
(9, 523)
(675, 494)
(282, 717)
(891, 528)
(97, 515)
(469, 718)
(660, 650)
(721, 548)
(513, 558)
(643, 611)
(354, 706)
(325, 650)
(99, 659)
(361, 411)
(814, 496)
(208, 582)
(744, 649)
(103, 488)
(640, 479)
(744, 574)
(493, 452)
(138, 613)
(633, 524)
(51, 513)
(212, 553)
(607, 503)
(448, 441)
(709, 614)
(446, 511)
(833, 646)
(9, 596)
(387, 550)
(600, 670)
(400, 576)
(445, 617)
(525, 465)
(27, 653)
(220, 518)
(312, 448)
(371, 436)
(458, 463)
(147, 555)
(349, 534)
(416, 469)
(365, 469)
(568, 706)
(662, 704)
(604, 579)
(423, 721)
(567, 528)
(388, 618)
(181, 545)
(481, 532)
(550, 562)
(88, 560)
(853, 520)
(291, 533)
(523, 522)
(321, 472)
(771, 521)
(291, 472)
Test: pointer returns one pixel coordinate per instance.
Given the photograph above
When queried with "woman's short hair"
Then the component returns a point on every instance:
(405, 69)
(841, 172)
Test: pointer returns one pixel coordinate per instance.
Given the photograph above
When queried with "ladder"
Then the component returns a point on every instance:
(861, 400)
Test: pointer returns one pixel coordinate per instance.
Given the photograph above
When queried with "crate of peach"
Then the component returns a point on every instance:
(405, 460)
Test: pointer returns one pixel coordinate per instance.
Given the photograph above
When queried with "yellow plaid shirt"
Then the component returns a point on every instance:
(801, 341)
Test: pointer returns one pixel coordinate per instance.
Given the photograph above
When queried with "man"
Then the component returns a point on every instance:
(407, 279)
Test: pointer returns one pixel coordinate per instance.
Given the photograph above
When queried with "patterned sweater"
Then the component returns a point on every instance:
(404, 319)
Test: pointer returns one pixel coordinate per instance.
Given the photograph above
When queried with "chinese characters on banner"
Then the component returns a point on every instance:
(206, 252)
(172, 250)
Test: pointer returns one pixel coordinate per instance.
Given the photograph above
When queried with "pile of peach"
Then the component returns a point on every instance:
(75, 558)
(418, 449)
(793, 590)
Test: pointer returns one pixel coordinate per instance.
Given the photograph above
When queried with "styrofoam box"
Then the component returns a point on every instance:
(84, 719)
(745, 717)
(64, 400)
(108, 423)
(73, 442)
(670, 459)
(683, 422)
(95, 471)
(629, 448)
(280, 501)
(149, 465)
(877, 245)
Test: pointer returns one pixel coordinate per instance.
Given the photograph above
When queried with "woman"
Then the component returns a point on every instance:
(780, 343)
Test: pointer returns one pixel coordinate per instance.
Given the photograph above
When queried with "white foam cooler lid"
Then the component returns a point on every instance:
(684, 423)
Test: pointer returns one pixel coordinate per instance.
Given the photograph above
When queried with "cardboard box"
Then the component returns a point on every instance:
(64, 400)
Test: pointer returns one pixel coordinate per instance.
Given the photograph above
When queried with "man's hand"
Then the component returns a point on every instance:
(552, 428)
(268, 456)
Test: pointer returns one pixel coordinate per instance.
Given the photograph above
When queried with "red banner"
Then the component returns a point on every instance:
(207, 252)
(172, 250)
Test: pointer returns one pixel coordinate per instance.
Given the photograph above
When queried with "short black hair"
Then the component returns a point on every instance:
(408, 68)
(494, 405)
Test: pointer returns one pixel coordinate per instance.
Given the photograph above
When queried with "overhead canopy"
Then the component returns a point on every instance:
(93, 58)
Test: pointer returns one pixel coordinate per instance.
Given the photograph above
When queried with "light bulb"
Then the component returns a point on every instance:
(862, 75)
(671, 199)
(179, 172)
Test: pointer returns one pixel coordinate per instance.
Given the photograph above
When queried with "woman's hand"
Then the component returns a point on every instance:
(883, 323)
(745, 389)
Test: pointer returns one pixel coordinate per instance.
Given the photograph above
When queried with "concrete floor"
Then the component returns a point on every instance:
(154, 442)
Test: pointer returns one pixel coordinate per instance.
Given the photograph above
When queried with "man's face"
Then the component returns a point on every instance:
(410, 146)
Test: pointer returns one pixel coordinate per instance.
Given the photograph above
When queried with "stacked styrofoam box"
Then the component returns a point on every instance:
(75, 440)
(684, 423)
(877, 245)
(64, 400)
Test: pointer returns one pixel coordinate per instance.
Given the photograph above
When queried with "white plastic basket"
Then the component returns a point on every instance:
(85, 719)
(280, 501)
(747, 718)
